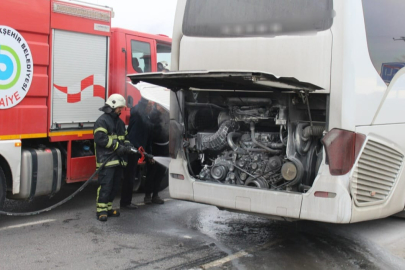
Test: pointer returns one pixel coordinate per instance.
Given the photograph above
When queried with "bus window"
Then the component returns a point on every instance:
(244, 18)
(141, 61)
(385, 22)
(163, 57)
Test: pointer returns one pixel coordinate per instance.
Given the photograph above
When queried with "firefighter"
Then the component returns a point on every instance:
(140, 133)
(109, 139)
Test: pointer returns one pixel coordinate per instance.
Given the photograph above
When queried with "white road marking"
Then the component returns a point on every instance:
(237, 255)
(27, 224)
(187, 237)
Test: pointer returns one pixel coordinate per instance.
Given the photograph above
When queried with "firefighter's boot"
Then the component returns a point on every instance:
(102, 209)
(102, 216)
(114, 213)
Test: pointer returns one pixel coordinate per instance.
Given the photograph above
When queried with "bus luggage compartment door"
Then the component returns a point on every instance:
(267, 202)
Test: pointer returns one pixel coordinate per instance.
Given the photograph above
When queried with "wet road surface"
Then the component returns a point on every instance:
(184, 235)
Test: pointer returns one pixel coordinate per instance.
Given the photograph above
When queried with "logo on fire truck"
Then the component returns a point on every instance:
(16, 67)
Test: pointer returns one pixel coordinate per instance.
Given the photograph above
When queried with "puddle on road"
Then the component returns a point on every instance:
(304, 244)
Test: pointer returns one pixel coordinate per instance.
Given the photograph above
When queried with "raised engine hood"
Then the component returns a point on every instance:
(222, 80)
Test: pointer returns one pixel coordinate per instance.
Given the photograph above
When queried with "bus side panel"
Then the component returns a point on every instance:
(180, 189)
(392, 110)
(331, 209)
(277, 56)
(392, 136)
(286, 204)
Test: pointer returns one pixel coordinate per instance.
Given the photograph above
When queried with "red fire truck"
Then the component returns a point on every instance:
(59, 61)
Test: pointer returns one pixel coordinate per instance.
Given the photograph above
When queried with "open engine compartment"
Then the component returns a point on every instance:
(267, 140)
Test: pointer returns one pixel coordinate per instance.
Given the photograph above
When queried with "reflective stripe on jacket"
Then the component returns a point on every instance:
(109, 134)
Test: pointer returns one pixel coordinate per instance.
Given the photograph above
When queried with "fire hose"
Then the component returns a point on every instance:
(85, 184)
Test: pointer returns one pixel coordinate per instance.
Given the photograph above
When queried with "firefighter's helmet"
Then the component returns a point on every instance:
(116, 101)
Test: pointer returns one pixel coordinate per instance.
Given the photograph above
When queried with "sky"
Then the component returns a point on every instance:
(149, 16)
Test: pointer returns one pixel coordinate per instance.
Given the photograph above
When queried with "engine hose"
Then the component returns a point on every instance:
(218, 140)
(231, 143)
(61, 202)
(312, 131)
(277, 145)
(271, 151)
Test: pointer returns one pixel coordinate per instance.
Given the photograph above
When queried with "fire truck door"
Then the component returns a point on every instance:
(141, 57)
(79, 78)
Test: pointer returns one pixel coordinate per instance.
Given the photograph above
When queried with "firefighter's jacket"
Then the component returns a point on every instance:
(109, 134)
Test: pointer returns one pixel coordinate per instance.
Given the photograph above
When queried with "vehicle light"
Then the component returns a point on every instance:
(342, 148)
(324, 194)
(17, 144)
(175, 138)
(177, 176)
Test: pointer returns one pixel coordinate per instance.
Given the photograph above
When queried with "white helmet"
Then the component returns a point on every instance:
(116, 101)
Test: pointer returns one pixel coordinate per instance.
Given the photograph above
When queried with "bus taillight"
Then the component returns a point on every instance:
(342, 148)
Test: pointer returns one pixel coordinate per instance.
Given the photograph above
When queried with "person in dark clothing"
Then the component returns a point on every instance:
(128, 183)
(109, 140)
(140, 131)
(155, 171)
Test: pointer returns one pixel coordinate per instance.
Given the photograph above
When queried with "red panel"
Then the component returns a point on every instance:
(117, 64)
(22, 15)
(70, 137)
(40, 52)
(39, 86)
(29, 119)
(32, 20)
(33, 102)
(160, 38)
(81, 168)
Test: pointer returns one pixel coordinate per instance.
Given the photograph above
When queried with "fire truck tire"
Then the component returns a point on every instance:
(139, 183)
(3, 188)
(165, 181)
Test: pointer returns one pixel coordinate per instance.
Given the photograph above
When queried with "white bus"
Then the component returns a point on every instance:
(290, 109)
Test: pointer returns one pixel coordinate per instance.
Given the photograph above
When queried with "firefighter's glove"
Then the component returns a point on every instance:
(123, 150)
(127, 143)
(134, 151)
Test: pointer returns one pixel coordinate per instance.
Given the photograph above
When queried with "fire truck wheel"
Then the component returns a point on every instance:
(3, 188)
(139, 186)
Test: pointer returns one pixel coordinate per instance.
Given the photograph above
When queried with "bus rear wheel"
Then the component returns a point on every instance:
(3, 188)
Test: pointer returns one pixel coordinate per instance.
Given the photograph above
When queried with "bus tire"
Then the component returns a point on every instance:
(3, 188)
(400, 214)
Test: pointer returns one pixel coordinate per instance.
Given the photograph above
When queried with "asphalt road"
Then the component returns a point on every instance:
(184, 235)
